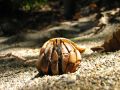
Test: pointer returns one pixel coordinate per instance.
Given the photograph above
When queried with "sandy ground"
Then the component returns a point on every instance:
(97, 71)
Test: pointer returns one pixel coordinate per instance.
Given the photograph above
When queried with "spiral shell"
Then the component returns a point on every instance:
(59, 56)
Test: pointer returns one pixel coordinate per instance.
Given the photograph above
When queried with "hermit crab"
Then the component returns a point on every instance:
(59, 56)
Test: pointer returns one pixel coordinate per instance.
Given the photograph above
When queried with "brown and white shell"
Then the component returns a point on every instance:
(59, 56)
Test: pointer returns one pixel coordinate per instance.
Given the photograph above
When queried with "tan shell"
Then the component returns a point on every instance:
(58, 56)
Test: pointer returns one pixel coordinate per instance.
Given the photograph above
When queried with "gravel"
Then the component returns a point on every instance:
(97, 71)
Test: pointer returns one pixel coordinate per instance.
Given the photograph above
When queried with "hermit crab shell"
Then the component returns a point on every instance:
(58, 56)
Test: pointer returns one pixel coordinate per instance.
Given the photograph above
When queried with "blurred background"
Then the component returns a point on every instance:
(28, 15)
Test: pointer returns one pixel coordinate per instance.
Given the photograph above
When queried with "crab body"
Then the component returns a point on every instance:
(58, 56)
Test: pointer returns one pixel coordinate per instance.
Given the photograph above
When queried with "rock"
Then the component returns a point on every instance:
(112, 43)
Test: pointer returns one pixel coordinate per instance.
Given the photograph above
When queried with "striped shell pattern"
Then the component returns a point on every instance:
(59, 56)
